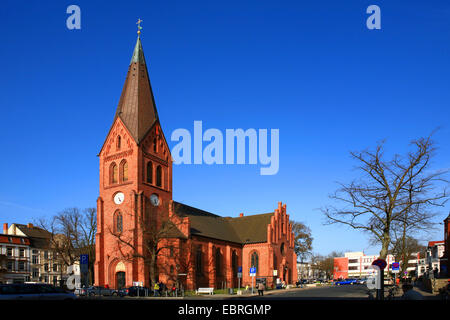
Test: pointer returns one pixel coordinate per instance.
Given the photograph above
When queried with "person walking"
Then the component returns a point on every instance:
(156, 289)
(261, 288)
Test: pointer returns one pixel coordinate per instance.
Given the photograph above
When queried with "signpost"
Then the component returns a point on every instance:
(381, 264)
(252, 274)
(395, 269)
(84, 268)
(239, 275)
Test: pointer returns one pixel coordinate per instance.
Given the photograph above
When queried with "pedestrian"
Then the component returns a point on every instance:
(174, 290)
(161, 288)
(155, 289)
(261, 288)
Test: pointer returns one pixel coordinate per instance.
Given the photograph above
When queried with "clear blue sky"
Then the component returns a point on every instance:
(308, 68)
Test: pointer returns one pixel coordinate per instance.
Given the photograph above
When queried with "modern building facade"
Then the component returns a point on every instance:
(356, 265)
(135, 202)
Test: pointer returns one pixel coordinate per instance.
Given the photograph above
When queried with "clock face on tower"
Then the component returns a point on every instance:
(119, 197)
(154, 199)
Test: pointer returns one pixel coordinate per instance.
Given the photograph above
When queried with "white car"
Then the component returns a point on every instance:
(34, 291)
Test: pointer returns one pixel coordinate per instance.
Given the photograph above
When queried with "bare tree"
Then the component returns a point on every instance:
(156, 232)
(404, 248)
(401, 191)
(72, 234)
(302, 239)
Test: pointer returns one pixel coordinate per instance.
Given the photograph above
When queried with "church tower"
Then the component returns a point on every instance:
(135, 178)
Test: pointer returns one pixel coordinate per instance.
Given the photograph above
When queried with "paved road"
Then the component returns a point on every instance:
(350, 292)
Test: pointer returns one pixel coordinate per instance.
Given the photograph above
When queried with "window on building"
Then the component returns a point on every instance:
(149, 172)
(254, 260)
(55, 267)
(234, 262)
(155, 145)
(22, 240)
(35, 259)
(159, 176)
(9, 252)
(171, 251)
(119, 222)
(10, 239)
(46, 279)
(10, 266)
(35, 251)
(46, 267)
(35, 272)
(21, 252)
(113, 173)
(352, 268)
(282, 250)
(199, 261)
(21, 266)
(218, 262)
(45, 254)
(125, 171)
(171, 269)
(119, 142)
(353, 261)
(275, 263)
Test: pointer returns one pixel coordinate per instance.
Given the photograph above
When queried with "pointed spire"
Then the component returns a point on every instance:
(137, 108)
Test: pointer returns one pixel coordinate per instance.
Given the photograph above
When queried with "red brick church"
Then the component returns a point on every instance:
(201, 249)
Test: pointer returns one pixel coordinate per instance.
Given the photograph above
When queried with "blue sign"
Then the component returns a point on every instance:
(239, 269)
(253, 270)
(84, 263)
(395, 266)
(84, 259)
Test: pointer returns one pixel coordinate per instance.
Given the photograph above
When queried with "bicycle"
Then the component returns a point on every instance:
(392, 292)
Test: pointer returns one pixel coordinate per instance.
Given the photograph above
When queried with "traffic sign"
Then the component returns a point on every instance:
(239, 269)
(252, 271)
(239, 274)
(380, 263)
(84, 263)
(395, 267)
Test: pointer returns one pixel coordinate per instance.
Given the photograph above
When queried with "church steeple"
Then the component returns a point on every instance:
(137, 108)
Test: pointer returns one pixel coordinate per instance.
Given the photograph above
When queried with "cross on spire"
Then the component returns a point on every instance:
(139, 25)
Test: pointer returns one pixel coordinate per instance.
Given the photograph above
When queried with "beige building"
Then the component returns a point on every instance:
(36, 261)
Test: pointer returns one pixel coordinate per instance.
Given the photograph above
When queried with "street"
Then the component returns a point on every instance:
(326, 292)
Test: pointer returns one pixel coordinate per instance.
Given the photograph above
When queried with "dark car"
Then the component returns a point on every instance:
(101, 291)
(137, 291)
(34, 291)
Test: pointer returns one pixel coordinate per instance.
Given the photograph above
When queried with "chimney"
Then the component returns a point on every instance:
(29, 225)
(5, 228)
(241, 215)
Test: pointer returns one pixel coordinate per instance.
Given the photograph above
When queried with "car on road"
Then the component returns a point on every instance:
(34, 291)
(136, 291)
(101, 291)
(345, 282)
(362, 281)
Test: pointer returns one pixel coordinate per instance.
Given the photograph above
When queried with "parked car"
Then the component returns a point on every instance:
(345, 281)
(137, 291)
(34, 291)
(362, 281)
(81, 291)
(101, 291)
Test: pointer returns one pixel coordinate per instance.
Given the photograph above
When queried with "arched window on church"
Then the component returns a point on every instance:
(124, 170)
(113, 173)
(218, 258)
(149, 172)
(155, 145)
(254, 260)
(199, 261)
(159, 176)
(234, 262)
(119, 222)
(119, 142)
(275, 263)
